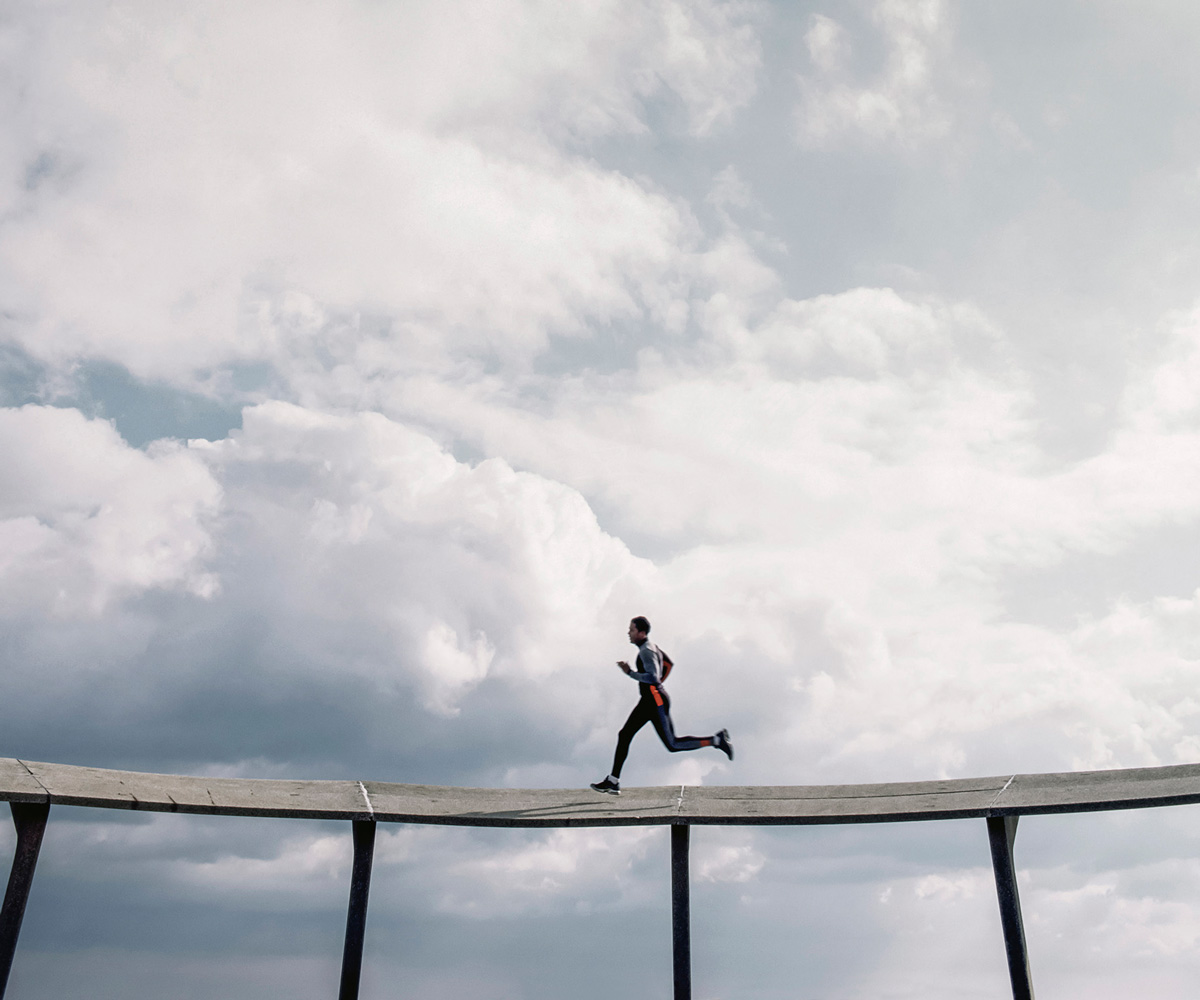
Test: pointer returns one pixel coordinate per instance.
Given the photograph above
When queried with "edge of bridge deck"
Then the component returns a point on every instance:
(733, 805)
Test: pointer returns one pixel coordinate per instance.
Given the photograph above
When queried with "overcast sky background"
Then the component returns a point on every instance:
(365, 366)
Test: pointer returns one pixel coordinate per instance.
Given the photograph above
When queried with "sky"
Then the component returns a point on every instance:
(366, 365)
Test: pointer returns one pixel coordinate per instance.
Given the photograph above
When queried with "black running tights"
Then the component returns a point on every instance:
(654, 707)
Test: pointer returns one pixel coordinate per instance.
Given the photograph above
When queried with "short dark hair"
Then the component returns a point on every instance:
(641, 624)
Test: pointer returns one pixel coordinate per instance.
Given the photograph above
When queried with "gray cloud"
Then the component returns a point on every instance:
(364, 369)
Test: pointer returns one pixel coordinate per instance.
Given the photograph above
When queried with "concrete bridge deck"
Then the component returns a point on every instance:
(31, 788)
(730, 805)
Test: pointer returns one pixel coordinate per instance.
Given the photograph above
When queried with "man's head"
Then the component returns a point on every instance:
(639, 628)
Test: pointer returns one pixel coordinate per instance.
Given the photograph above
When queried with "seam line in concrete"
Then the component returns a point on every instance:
(367, 799)
(32, 775)
(1003, 790)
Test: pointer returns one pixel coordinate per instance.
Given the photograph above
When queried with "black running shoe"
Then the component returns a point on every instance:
(608, 786)
(721, 742)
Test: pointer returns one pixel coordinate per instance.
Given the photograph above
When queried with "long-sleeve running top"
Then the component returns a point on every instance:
(648, 667)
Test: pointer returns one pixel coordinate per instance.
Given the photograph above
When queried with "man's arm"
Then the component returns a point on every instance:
(648, 669)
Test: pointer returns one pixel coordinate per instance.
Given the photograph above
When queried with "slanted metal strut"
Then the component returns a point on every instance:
(1002, 830)
(30, 821)
(356, 914)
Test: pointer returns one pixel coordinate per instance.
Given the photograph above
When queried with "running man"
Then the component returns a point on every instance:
(654, 707)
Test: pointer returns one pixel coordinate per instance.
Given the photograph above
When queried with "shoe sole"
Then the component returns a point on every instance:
(606, 791)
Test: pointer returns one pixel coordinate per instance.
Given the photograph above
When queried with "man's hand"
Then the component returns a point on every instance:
(624, 666)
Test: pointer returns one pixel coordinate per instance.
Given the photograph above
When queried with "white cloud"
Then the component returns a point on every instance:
(710, 56)
(194, 172)
(902, 104)
(430, 221)
(85, 519)
(1108, 930)
(843, 483)
(1087, 931)
(826, 43)
(557, 871)
(729, 863)
(446, 573)
(452, 666)
(301, 869)
(1164, 398)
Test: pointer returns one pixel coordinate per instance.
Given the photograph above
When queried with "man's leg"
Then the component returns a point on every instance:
(666, 729)
(641, 714)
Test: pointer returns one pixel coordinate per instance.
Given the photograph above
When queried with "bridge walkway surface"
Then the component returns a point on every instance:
(31, 788)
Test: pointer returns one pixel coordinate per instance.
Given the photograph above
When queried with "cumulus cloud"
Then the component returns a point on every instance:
(503, 389)
(840, 486)
(86, 520)
(447, 572)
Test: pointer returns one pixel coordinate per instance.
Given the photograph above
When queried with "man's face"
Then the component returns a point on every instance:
(636, 637)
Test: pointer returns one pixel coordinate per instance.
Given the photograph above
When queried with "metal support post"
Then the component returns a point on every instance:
(30, 820)
(1002, 830)
(356, 915)
(681, 916)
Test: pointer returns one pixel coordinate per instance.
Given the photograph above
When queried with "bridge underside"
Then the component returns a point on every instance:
(732, 805)
(31, 788)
